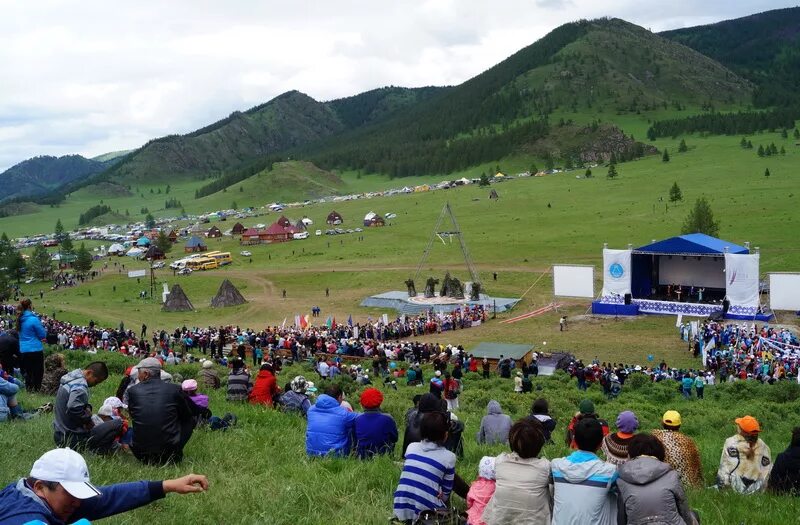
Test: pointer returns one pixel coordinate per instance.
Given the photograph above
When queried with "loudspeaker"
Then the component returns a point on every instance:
(725, 305)
(628, 298)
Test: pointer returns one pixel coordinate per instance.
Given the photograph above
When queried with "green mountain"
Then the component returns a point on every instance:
(600, 65)
(764, 48)
(41, 175)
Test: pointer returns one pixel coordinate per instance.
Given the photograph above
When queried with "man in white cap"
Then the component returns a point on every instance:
(162, 418)
(58, 491)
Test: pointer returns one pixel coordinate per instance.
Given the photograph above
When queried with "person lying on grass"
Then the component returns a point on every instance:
(58, 491)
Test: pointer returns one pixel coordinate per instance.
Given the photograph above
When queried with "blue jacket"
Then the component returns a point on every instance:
(7, 389)
(19, 504)
(330, 428)
(31, 333)
(376, 433)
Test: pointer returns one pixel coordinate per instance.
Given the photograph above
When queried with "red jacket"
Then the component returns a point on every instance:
(265, 388)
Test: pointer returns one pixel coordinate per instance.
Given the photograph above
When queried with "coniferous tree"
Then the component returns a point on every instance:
(149, 221)
(773, 149)
(766, 172)
(40, 264)
(701, 219)
(761, 152)
(682, 147)
(749, 145)
(796, 133)
(163, 243)
(83, 260)
(675, 193)
(784, 134)
(665, 156)
(612, 171)
(588, 173)
(743, 143)
(783, 150)
(484, 180)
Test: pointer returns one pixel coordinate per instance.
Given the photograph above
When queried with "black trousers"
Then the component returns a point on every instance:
(32, 364)
(100, 439)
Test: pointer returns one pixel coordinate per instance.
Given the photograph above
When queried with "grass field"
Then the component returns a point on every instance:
(259, 472)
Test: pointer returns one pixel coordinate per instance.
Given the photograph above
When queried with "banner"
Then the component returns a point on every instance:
(741, 279)
(137, 273)
(573, 281)
(616, 272)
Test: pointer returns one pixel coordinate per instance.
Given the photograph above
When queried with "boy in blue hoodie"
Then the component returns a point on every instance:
(330, 426)
(585, 485)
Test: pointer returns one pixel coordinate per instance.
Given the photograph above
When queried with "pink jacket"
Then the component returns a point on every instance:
(480, 492)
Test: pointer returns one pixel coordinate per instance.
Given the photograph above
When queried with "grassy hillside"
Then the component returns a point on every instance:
(265, 452)
(764, 48)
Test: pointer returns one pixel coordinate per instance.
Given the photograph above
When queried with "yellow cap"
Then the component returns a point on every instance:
(671, 418)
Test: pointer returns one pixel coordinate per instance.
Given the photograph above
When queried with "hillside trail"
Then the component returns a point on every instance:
(389, 268)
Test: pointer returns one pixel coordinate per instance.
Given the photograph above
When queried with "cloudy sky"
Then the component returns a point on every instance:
(92, 76)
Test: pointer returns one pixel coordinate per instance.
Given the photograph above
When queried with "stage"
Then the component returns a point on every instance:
(616, 306)
(403, 304)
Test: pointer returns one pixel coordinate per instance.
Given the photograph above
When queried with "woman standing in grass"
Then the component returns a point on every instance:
(31, 333)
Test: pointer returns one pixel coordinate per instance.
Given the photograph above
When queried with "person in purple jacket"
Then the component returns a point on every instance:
(58, 491)
(376, 432)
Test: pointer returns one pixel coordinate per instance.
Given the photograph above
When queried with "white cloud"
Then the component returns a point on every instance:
(92, 76)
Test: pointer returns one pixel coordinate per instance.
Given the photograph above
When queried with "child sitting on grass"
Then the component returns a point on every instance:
(481, 491)
(428, 471)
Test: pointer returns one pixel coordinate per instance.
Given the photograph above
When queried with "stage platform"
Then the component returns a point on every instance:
(403, 304)
(616, 306)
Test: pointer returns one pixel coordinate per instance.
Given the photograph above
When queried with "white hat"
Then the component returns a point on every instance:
(106, 410)
(68, 468)
(208, 364)
(438, 373)
(114, 402)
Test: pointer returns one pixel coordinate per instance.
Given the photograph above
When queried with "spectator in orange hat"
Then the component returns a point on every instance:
(746, 460)
(376, 432)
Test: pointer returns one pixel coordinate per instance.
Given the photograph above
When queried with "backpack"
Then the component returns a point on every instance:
(527, 385)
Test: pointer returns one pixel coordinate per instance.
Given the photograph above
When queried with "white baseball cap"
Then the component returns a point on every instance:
(67, 468)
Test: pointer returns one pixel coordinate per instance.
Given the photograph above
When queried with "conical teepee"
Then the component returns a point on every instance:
(227, 295)
(177, 301)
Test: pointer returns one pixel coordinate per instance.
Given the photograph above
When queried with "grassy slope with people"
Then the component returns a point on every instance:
(259, 472)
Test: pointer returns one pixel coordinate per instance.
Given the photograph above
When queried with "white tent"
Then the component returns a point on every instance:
(116, 249)
(307, 221)
(135, 252)
(371, 215)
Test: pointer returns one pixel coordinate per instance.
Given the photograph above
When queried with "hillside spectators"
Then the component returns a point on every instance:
(330, 426)
(265, 388)
(681, 450)
(785, 475)
(746, 460)
(495, 425)
(239, 384)
(615, 446)
(376, 432)
(585, 411)
(540, 410)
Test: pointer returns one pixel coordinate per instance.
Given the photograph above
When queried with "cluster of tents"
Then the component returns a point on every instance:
(227, 295)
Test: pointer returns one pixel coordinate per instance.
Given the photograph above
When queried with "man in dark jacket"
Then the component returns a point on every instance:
(58, 491)
(376, 432)
(9, 351)
(72, 426)
(785, 475)
(162, 419)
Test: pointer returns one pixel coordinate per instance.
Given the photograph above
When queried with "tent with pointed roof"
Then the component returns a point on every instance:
(143, 241)
(227, 295)
(334, 218)
(177, 301)
(283, 221)
(238, 228)
(154, 253)
(195, 244)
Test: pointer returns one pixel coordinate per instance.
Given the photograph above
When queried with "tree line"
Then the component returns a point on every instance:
(741, 123)
(92, 213)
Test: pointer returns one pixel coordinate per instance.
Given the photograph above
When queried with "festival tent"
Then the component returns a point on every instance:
(373, 219)
(195, 244)
(283, 221)
(177, 301)
(143, 241)
(154, 253)
(214, 233)
(135, 252)
(334, 218)
(238, 228)
(227, 295)
(116, 249)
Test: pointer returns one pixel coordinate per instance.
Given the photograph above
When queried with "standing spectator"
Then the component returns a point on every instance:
(650, 491)
(585, 411)
(73, 426)
(518, 383)
(428, 471)
(376, 432)
(452, 389)
(437, 385)
(58, 490)
(746, 460)
(615, 446)
(239, 385)
(54, 370)
(208, 375)
(266, 387)
(31, 333)
(785, 475)
(580, 375)
(681, 450)
(562, 323)
(486, 368)
(481, 491)
(524, 486)
(162, 418)
(686, 386)
(330, 426)
(583, 482)
(540, 410)
(495, 425)
(699, 385)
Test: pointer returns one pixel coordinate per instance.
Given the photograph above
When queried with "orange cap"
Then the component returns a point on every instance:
(748, 424)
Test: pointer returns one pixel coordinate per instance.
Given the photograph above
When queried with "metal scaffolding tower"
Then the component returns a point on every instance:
(454, 231)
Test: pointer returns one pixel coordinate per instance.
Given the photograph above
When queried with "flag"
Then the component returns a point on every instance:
(328, 322)
(303, 321)
(350, 321)
(283, 324)
(297, 320)
(333, 323)
(706, 349)
(386, 319)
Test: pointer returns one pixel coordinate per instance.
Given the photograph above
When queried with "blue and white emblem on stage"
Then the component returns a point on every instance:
(616, 271)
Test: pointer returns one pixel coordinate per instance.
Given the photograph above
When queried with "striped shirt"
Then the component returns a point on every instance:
(427, 479)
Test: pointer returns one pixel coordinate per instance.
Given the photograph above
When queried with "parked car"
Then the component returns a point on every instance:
(245, 253)
(185, 271)
(300, 235)
(318, 232)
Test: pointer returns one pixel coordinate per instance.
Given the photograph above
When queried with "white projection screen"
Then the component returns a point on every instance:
(573, 281)
(784, 291)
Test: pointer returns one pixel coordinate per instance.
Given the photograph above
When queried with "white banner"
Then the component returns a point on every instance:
(137, 273)
(616, 272)
(784, 291)
(741, 279)
(573, 281)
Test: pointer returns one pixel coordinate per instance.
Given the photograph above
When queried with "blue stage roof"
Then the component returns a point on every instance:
(692, 243)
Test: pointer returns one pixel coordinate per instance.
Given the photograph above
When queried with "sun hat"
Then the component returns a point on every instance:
(106, 410)
(189, 385)
(586, 407)
(748, 424)
(486, 468)
(68, 468)
(371, 398)
(208, 363)
(114, 402)
(627, 422)
(671, 418)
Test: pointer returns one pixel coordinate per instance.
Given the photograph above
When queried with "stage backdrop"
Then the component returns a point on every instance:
(573, 281)
(706, 272)
(741, 279)
(784, 291)
(616, 272)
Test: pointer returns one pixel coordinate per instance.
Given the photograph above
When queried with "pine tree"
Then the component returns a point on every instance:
(743, 143)
(682, 147)
(40, 264)
(163, 243)
(760, 150)
(783, 150)
(83, 260)
(701, 219)
(149, 221)
(15, 265)
(612, 170)
(675, 193)
(588, 173)
(796, 133)
(484, 180)
(234, 205)
(784, 134)
(749, 145)
(766, 172)
(665, 156)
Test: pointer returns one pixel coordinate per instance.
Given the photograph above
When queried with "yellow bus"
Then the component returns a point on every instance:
(210, 254)
(202, 263)
(222, 258)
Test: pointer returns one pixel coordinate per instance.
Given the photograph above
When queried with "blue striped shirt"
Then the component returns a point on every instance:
(427, 479)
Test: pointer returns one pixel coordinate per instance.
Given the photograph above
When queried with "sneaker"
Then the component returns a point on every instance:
(45, 409)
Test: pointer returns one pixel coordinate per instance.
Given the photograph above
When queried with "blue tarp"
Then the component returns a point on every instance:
(692, 243)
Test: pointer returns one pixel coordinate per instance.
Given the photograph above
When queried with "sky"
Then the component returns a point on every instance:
(91, 77)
